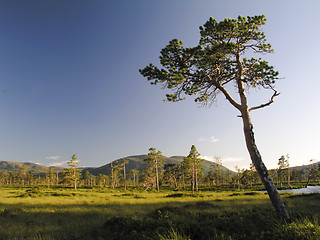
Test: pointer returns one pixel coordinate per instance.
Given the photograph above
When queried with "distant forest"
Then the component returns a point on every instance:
(154, 171)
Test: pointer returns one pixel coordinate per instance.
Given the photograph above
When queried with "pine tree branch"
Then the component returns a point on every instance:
(275, 94)
(225, 93)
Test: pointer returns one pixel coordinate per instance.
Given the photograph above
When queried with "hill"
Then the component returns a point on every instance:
(136, 162)
(305, 167)
(34, 168)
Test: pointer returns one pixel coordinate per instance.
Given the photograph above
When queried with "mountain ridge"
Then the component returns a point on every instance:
(34, 168)
(135, 162)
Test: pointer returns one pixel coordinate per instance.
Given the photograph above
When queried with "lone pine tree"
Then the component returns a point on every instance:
(192, 164)
(155, 160)
(217, 62)
(72, 174)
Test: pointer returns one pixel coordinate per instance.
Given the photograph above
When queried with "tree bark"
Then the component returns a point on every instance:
(134, 179)
(255, 156)
(262, 170)
(157, 176)
(196, 176)
(112, 176)
(192, 184)
(124, 175)
(183, 183)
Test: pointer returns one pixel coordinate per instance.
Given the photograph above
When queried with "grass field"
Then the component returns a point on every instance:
(62, 213)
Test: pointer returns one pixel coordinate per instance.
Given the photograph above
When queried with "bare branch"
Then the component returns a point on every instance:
(275, 94)
(225, 93)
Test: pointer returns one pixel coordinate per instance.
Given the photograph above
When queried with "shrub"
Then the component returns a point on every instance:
(11, 212)
(178, 223)
(299, 229)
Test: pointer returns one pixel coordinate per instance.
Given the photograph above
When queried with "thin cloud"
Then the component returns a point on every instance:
(53, 158)
(214, 139)
(210, 139)
(202, 139)
(232, 162)
(209, 158)
(229, 160)
(58, 164)
(233, 159)
(34, 162)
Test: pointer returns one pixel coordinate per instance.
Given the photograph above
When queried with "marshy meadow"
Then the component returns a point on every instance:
(105, 213)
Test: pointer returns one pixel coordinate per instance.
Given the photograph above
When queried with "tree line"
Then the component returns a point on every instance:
(187, 175)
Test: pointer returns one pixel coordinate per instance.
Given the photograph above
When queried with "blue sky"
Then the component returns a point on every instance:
(69, 82)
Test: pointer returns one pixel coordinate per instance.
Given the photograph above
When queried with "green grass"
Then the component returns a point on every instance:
(62, 213)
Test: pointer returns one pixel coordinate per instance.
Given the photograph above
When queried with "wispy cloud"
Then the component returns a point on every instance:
(214, 139)
(234, 160)
(53, 158)
(35, 162)
(209, 158)
(202, 139)
(210, 139)
(58, 164)
(230, 162)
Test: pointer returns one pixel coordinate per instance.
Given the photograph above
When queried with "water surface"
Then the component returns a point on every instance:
(309, 189)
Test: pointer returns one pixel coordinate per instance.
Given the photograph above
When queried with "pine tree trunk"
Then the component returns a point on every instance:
(112, 176)
(192, 184)
(157, 176)
(196, 180)
(239, 180)
(261, 168)
(308, 181)
(175, 183)
(183, 183)
(253, 150)
(124, 176)
(134, 180)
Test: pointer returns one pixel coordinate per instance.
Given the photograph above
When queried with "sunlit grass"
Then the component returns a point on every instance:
(62, 213)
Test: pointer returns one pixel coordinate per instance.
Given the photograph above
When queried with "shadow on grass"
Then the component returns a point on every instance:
(237, 217)
(246, 224)
(84, 221)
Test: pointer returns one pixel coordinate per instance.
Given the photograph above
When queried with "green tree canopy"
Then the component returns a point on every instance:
(192, 166)
(155, 160)
(72, 174)
(206, 69)
(222, 60)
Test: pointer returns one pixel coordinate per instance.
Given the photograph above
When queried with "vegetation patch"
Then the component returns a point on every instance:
(178, 223)
(180, 195)
(314, 196)
(301, 228)
(252, 193)
(10, 212)
(34, 192)
(204, 205)
(124, 195)
(63, 194)
(58, 213)
(234, 194)
(175, 195)
(138, 196)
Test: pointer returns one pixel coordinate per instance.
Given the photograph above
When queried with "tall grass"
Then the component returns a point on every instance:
(61, 213)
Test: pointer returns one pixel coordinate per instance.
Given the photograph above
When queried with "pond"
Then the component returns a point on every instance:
(309, 189)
